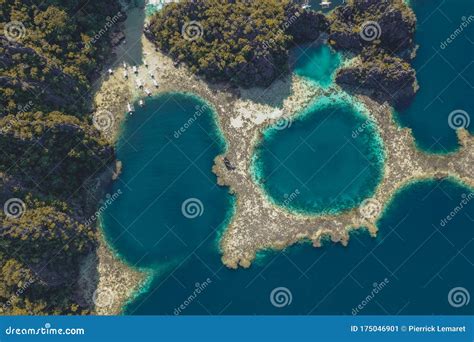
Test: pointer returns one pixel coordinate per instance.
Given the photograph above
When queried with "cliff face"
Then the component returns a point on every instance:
(242, 43)
(391, 80)
(381, 33)
(389, 24)
(50, 86)
(53, 158)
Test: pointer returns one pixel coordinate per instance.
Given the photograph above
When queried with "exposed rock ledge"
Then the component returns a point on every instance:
(242, 115)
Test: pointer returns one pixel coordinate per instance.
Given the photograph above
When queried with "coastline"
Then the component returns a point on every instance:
(241, 116)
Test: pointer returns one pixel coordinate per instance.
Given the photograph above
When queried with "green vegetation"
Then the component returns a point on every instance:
(381, 33)
(242, 42)
(49, 55)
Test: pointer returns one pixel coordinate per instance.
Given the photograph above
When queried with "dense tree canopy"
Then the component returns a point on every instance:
(48, 148)
(244, 42)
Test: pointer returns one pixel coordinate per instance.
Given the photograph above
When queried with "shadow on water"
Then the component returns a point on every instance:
(272, 96)
(131, 51)
(445, 72)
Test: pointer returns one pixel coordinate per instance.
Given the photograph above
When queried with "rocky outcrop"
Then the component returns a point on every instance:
(387, 24)
(39, 77)
(388, 79)
(307, 27)
(381, 33)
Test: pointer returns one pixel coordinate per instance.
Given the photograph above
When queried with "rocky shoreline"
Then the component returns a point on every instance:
(242, 116)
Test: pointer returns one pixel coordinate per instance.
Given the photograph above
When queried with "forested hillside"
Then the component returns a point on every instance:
(50, 52)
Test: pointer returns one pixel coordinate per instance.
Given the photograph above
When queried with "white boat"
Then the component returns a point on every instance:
(130, 108)
(110, 72)
(325, 4)
(155, 83)
(125, 74)
(135, 70)
(148, 92)
(125, 65)
(139, 83)
(141, 103)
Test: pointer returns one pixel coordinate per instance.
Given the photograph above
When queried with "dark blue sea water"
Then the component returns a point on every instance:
(418, 258)
(323, 157)
(445, 72)
(414, 261)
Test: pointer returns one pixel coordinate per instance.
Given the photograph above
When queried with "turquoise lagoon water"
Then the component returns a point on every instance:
(146, 227)
(330, 158)
(162, 169)
(317, 63)
(445, 72)
(417, 255)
